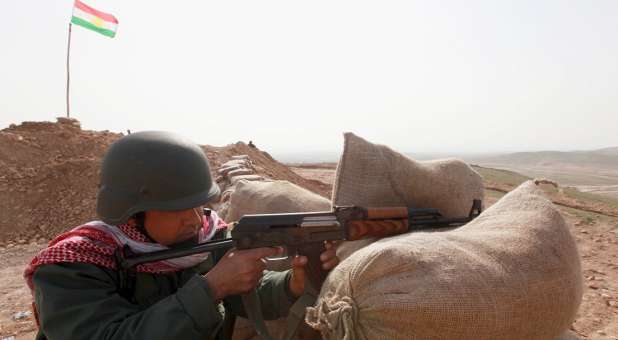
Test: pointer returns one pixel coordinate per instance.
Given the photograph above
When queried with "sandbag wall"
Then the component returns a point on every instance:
(512, 273)
(238, 168)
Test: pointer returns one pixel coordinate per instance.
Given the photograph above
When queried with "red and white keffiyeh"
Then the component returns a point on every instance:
(95, 243)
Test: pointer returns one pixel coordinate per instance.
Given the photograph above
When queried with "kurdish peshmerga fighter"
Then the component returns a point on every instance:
(153, 187)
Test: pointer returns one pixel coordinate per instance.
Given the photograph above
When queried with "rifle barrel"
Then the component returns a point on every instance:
(437, 222)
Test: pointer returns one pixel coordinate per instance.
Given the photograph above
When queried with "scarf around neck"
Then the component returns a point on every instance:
(95, 243)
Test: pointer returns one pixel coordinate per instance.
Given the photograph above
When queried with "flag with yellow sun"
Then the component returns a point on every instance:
(90, 18)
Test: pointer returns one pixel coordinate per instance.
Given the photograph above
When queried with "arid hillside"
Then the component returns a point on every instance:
(594, 171)
(603, 158)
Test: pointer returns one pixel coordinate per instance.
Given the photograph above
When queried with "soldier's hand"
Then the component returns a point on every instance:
(239, 271)
(329, 261)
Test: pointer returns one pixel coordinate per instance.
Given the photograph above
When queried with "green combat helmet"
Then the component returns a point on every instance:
(152, 170)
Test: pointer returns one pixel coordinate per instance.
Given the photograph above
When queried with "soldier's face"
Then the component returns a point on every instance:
(171, 227)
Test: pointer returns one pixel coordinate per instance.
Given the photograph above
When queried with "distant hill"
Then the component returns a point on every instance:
(591, 171)
(608, 151)
(606, 158)
(307, 157)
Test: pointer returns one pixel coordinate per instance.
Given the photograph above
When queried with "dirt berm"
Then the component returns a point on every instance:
(49, 176)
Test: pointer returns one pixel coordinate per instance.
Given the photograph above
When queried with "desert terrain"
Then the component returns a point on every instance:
(48, 175)
(594, 171)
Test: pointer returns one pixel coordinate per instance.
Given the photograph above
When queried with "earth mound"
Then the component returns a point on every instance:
(49, 176)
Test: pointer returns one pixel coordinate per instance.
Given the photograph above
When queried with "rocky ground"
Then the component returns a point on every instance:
(15, 296)
(48, 183)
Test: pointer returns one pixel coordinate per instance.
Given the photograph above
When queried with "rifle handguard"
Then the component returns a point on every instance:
(359, 229)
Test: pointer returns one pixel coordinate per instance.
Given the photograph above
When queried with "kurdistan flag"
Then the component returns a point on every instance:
(90, 18)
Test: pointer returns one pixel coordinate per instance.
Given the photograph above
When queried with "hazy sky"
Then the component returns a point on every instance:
(420, 76)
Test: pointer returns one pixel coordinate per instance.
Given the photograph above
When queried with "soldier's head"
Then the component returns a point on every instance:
(158, 180)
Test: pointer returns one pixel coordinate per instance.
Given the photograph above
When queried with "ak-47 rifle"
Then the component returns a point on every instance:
(304, 234)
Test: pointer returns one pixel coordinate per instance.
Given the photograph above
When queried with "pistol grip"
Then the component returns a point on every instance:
(315, 273)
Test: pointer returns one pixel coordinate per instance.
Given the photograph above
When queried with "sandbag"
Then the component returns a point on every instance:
(264, 197)
(375, 175)
(512, 273)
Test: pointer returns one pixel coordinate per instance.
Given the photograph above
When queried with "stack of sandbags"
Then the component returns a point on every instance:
(238, 168)
(263, 197)
(376, 176)
(512, 273)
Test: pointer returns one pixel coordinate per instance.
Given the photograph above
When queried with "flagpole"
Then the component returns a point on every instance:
(68, 76)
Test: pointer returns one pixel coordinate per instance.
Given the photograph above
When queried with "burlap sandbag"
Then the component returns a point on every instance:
(375, 175)
(512, 273)
(263, 197)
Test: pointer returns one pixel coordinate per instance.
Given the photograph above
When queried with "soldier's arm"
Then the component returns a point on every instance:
(80, 301)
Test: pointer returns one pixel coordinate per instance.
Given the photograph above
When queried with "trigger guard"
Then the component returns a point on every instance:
(280, 258)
